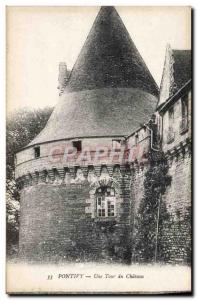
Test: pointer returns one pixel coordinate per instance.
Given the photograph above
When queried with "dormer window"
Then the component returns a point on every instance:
(37, 152)
(77, 145)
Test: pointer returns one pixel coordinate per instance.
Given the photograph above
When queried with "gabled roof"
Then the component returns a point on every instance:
(109, 58)
(182, 68)
(176, 72)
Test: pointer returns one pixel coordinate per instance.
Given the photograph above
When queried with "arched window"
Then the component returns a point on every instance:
(105, 202)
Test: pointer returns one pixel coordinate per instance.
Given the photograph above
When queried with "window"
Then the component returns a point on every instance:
(77, 145)
(105, 202)
(116, 145)
(158, 123)
(184, 106)
(184, 112)
(171, 116)
(170, 133)
(37, 152)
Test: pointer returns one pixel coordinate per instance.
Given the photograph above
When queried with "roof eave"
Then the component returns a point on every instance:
(164, 106)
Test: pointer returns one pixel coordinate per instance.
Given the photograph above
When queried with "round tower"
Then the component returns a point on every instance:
(75, 176)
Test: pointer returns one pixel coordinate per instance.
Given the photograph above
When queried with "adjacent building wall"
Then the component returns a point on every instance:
(175, 228)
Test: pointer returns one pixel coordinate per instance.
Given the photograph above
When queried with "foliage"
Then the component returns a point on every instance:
(22, 126)
(155, 183)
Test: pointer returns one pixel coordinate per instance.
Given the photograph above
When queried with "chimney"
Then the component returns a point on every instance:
(63, 77)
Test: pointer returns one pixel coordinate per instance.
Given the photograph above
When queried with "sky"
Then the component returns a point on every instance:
(38, 38)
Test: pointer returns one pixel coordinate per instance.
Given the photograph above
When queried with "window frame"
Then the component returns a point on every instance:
(185, 107)
(75, 145)
(106, 208)
(37, 152)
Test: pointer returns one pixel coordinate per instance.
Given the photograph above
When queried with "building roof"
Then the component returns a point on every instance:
(176, 73)
(98, 113)
(182, 68)
(176, 96)
(110, 91)
(109, 58)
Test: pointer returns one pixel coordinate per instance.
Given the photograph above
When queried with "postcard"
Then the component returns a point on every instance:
(99, 122)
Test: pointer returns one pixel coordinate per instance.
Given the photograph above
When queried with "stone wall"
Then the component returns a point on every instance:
(137, 193)
(175, 228)
(162, 221)
(57, 222)
(152, 224)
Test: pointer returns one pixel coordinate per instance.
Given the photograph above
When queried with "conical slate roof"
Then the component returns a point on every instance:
(109, 58)
(110, 91)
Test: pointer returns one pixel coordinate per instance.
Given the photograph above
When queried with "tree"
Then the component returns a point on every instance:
(22, 126)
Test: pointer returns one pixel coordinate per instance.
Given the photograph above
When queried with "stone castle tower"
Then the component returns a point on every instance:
(99, 181)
